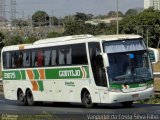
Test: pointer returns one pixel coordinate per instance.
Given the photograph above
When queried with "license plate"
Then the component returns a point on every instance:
(135, 95)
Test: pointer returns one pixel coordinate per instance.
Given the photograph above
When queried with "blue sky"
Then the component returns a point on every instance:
(62, 8)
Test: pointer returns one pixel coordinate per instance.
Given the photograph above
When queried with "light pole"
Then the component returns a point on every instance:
(117, 20)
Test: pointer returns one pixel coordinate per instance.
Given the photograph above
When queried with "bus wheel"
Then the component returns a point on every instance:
(30, 100)
(86, 99)
(127, 104)
(21, 97)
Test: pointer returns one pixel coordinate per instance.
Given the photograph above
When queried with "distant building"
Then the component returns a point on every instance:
(156, 4)
(106, 20)
(148, 3)
(152, 3)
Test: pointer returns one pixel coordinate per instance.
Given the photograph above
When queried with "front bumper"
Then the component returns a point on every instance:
(116, 97)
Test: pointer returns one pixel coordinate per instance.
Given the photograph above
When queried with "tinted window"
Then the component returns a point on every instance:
(34, 58)
(40, 58)
(26, 59)
(54, 56)
(79, 55)
(7, 60)
(17, 59)
(50, 56)
(47, 57)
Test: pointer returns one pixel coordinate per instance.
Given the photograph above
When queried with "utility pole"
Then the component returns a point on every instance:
(2, 12)
(117, 20)
(52, 20)
(13, 11)
(147, 37)
(2, 9)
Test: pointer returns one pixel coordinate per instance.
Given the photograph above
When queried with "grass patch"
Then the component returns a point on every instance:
(153, 100)
(29, 117)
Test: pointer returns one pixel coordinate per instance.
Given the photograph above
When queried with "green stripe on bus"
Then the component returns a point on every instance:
(41, 87)
(87, 71)
(54, 73)
(23, 73)
(36, 74)
(65, 73)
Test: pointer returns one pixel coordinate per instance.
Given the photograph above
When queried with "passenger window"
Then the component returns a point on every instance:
(34, 58)
(65, 56)
(26, 59)
(61, 57)
(69, 56)
(79, 55)
(20, 59)
(47, 57)
(40, 58)
(54, 58)
(7, 60)
(15, 60)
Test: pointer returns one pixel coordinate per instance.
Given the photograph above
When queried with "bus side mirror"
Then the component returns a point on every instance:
(154, 55)
(105, 60)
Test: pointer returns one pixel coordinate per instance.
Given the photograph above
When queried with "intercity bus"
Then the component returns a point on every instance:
(80, 69)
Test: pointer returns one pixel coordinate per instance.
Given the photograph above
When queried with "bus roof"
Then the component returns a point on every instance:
(68, 39)
(118, 37)
(52, 42)
(62, 39)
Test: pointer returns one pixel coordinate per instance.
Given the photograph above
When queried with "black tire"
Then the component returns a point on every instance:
(21, 98)
(30, 100)
(127, 104)
(87, 100)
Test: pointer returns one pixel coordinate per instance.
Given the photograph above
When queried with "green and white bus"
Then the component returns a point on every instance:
(79, 69)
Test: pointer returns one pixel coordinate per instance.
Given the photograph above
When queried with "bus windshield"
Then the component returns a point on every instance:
(128, 62)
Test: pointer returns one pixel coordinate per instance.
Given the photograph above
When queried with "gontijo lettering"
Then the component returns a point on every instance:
(68, 73)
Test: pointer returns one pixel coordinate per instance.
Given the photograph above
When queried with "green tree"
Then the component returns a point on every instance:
(40, 18)
(54, 20)
(100, 17)
(70, 18)
(131, 12)
(77, 27)
(82, 16)
(2, 37)
(54, 34)
(114, 14)
(13, 40)
(30, 39)
(80, 27)
(19, 23)
(146, 23)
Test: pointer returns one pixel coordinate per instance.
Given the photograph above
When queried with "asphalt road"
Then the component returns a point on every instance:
(58, 111)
